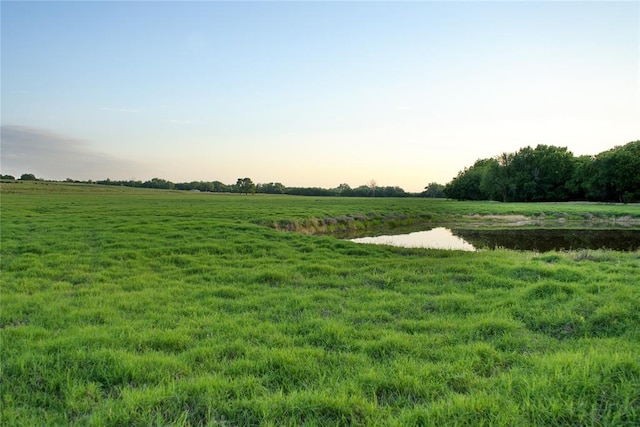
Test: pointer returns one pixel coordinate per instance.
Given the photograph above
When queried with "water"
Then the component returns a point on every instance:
(549, 239)
(437, 238)
(539, 240)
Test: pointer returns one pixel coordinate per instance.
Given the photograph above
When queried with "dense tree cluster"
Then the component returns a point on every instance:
(549, 173)
(271, 188)
(434, 190)
(152, 183)
(345, 190)
(23, 177)
(213, 186)
(369, 190)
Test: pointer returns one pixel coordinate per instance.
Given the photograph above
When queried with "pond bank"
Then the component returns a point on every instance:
(354, 223)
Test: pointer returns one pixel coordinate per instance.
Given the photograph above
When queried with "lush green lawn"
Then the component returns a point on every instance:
(144, 307)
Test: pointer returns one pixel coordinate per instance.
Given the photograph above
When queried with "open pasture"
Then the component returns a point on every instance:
(146, 307)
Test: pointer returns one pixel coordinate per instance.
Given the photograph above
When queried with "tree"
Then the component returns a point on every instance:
(343, 190)
(582, 167)
(614, 175)
(434, 190)
(28, 177)
(466, 186)
(220, 187)
(372, 185)
(159, 183)
(309, 191)
(270, 188)
(541, 173)
(497, 179)
(550, 173)
(245, 186)
(8, 177)
(529, 175)
(390, 191)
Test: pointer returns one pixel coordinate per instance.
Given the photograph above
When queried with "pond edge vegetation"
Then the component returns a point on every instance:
(374, 221)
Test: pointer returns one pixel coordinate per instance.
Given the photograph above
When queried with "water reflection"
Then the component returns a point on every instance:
(437, 238)
(540, 240)
(549, 239)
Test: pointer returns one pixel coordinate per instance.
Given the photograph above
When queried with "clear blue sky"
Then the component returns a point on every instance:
(310, 93)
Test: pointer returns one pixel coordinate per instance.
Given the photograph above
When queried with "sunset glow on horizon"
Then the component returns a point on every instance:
(310, 93)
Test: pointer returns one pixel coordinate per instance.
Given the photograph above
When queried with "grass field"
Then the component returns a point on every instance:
(144, 307)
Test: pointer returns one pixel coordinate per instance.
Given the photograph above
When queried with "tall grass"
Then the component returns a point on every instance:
(141, 307)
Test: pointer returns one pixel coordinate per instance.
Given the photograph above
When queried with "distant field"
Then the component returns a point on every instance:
(128, 306)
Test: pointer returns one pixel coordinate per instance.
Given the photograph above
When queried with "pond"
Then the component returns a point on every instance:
(436, 238)
(539, 240)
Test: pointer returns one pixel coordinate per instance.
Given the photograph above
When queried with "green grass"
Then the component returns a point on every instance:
(143, 307)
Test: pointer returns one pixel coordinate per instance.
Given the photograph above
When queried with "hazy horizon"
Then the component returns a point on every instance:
(310, 94)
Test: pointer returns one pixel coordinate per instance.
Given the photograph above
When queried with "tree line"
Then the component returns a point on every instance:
(23, 177)
(247, 186)
(543, 173)
(550, 173)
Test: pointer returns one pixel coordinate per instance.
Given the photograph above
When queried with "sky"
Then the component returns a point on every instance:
(310, 94)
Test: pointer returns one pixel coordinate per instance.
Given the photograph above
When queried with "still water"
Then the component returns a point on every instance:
(437, 238)
(540, 240)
